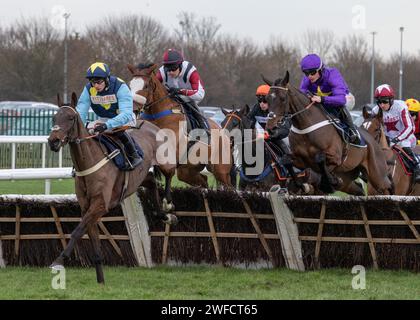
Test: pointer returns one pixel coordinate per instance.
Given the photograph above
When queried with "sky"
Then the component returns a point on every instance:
(259, 21)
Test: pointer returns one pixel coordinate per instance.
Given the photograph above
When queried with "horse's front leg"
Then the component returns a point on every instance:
(91, 217)
(329, 182)
(93, 232)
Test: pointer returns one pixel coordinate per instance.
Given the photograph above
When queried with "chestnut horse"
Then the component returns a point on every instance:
(316, 144)
(403, 182)
(166, 113)
(100, 185)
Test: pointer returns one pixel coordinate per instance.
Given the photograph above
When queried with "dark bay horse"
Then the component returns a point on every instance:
(166, 113)
(403, 182)
(316, 144)
(237, 119)
(100, 185)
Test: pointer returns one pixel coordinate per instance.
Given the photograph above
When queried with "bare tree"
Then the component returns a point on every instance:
(318, 41)
(30, 60)
(126, 39)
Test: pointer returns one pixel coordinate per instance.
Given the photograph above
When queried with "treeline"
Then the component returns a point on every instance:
(32, 55)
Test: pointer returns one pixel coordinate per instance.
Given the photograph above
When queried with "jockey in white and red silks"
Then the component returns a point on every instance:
(182, 80)
(399, 126)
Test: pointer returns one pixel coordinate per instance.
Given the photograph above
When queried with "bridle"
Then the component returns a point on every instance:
(286, 114)
(232, 115)
(147, 92)
(98, 165)
(70, 132)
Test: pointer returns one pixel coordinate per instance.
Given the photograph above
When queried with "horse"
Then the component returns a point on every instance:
(99, 184)
(273, 173)
(316, 143)
(402, 180)
(167, 113)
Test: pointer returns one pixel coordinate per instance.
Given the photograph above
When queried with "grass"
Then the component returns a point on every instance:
(202, 282)
(63, 186)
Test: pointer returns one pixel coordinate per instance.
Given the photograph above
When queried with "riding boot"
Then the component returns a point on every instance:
(132, 154)
(415, 163)
(200, 118)
(347, 119)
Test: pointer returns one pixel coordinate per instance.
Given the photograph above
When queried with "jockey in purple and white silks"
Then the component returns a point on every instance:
(399, 126)
(327, 86)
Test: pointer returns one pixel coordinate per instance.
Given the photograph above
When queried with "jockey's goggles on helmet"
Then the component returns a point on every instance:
(261, 99)
(382, 100)
(94, 81)
(310, 72)
(171, 67)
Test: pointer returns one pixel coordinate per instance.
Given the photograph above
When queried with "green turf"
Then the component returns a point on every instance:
(206, 283)
(63, 186)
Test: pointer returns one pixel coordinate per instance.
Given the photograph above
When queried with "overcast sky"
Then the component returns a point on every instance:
(257, 20)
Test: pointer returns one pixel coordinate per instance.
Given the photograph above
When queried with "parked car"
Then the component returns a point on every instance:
(214, 113)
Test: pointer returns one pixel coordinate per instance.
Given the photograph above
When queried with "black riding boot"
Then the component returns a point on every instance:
(132, 154)
(353, 133)
(415, 163)
(200, 118)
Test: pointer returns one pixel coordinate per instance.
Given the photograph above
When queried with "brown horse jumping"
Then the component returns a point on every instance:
(100, 185)
(168, 114)
(403, 182)
(316, 144)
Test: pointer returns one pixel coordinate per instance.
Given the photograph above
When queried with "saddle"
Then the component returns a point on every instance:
(195, 120)
(111, 144)
(405, 160)
(343, 129)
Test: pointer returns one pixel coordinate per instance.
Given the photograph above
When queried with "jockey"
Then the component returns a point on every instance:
(399, 127)
(327, 86)
(259, 111)
(182, 80)
(414, 108)
(110, 99)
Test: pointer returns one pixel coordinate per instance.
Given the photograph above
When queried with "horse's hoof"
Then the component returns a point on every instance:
(57, 266)
(307, 188)
(171, 219)
(167, 206)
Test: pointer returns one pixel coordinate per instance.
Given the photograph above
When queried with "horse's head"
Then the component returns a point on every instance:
(143, 83)
(277, 99)
(64, 122)
(373, 122)
(236, 118)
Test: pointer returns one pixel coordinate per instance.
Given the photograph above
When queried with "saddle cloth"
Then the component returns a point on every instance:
(111, 144)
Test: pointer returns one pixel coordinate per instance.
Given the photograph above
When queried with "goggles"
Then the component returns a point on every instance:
(171, 67)
(96, 81)
(261, 99)
(310, 72)
(382, 101)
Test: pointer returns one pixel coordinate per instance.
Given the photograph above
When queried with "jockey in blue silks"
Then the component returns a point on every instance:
(111, 99)
(327, 86)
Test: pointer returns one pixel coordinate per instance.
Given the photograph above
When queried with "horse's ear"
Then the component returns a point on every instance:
(270, 83)
(131, 68)
(225, 112)
(285, 80)
(367, 112)
(59, 101)
(245, 109)
(73, 103)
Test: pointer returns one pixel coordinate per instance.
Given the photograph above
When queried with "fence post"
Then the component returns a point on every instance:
(2, 263)
(138, 230)
(287, 229)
